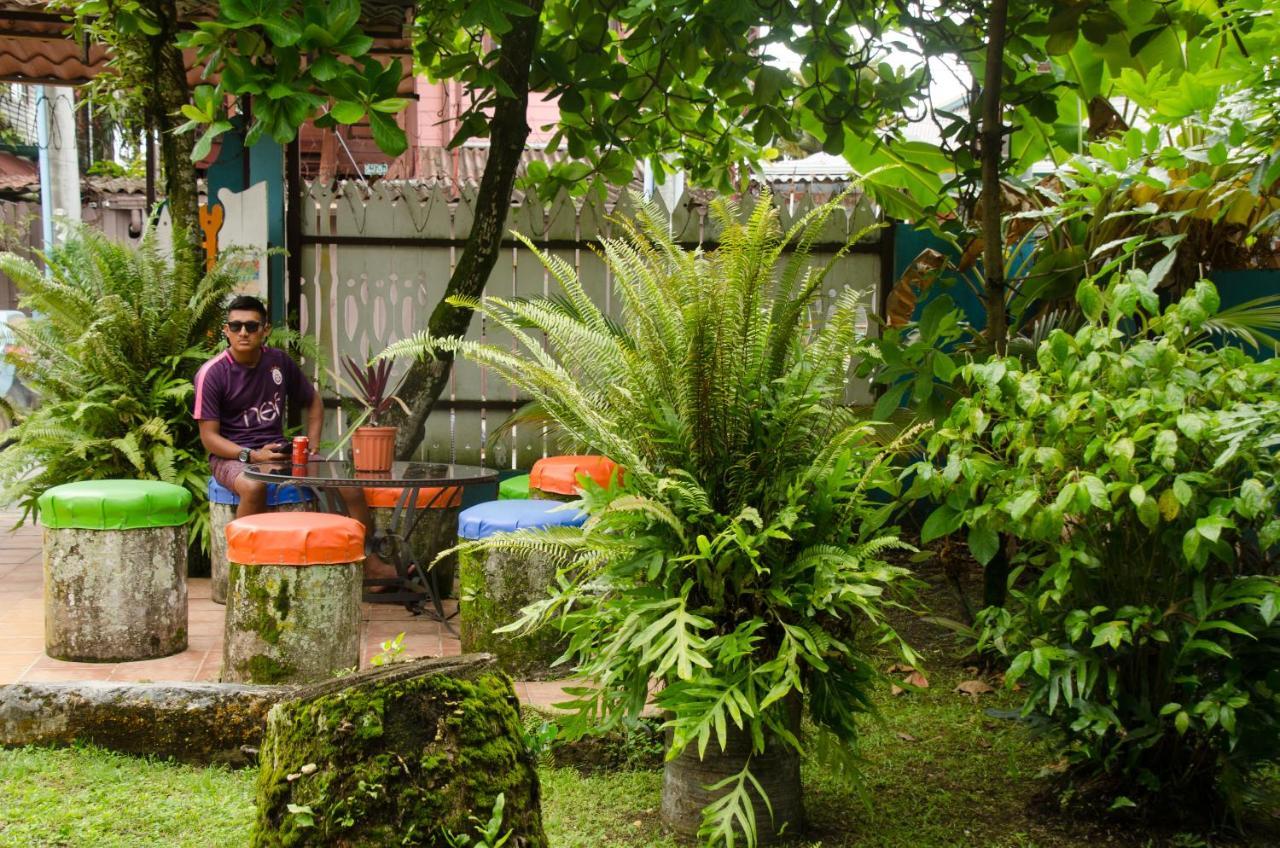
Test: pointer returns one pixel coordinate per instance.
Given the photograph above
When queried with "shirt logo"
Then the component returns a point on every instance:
(276, 375)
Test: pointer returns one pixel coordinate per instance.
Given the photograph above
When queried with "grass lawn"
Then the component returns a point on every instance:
(940, 769)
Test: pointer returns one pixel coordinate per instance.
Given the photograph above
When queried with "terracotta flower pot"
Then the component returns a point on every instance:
(373, 448)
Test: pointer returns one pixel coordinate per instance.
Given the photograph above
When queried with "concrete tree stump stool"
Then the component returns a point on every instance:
(293, 597)
(115, 570)
(514, 488)
(435, 527)
(496, 585)
(557, 477)
(222, 511)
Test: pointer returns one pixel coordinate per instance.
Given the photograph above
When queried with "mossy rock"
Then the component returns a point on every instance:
(399, 755)
(197, 723)
(436, 530)
(495, 586)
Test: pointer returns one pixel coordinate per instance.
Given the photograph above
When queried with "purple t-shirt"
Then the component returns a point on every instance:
(249, 403)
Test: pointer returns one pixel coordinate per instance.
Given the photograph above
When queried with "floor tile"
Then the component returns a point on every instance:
(13, 666)
(21, 645)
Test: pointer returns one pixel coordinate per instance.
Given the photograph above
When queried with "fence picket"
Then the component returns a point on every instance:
(378, 293)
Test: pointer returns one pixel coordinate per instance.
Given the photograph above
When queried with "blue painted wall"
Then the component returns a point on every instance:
(265, 163)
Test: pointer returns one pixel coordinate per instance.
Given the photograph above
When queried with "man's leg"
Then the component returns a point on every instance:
(253, 496)
(374, 566)
(252, 493)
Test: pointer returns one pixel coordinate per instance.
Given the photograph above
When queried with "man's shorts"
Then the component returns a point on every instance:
(226, 471)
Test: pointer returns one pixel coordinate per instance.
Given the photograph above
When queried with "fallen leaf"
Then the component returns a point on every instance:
(637, 823)
(906, 737)
(974, 688)
(900, 668)
(918, 680)
(896, 690)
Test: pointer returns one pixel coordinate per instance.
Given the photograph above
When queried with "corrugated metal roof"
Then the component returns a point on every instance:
(818, 166)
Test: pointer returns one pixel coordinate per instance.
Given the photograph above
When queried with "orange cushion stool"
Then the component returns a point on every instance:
(295, 538)
(384, 498)
(558, 475)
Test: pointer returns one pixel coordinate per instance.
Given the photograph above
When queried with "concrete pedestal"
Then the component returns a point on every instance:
(115, 595)
(291, 624)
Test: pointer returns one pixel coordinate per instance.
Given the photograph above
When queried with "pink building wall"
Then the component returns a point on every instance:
(440, 103)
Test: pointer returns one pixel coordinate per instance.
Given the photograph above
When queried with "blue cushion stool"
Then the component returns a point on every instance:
(222, 511)
(496, 585)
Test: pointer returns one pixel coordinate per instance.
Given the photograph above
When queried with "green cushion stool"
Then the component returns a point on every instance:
(115, 570)
(514, 488)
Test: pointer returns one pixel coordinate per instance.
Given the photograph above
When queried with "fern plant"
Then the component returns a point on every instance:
(120, 333)
(740, 563)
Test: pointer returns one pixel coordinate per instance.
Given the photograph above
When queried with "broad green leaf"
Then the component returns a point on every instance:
(983, 543)
(943, 521)
(1251, 502)
(387, 133)
(347, 111)
(1090, 300)
(1021, 504)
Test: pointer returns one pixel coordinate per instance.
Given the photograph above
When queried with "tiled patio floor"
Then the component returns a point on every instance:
(22, 657)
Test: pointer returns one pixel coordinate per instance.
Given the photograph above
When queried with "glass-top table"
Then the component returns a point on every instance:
(415, 584)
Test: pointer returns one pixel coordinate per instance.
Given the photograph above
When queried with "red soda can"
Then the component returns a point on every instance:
(301, 450)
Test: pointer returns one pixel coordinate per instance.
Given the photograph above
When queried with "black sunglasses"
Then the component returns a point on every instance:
(249, 326)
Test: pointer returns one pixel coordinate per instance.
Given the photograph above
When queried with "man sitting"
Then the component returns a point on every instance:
(240, 406)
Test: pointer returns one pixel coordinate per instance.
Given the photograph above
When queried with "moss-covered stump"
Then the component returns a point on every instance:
(220, 515)
(436, 530)
(397, 756)
(115, 595)
(495, 586)
(198, 723)
(291, 624)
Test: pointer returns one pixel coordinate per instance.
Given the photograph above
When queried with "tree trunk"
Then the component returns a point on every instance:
(400, 755)
(170, 94)
(686, 777)
(992, 159)
(508, 132)
(198, 723)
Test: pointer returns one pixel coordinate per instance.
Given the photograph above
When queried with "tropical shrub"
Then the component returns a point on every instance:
(1136, 466)
(120, 333)
(739, 563)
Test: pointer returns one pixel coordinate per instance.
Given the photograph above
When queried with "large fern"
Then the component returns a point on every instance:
(740, 562)
(119, 333)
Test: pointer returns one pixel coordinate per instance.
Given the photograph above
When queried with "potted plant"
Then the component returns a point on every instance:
(373, 446)
(739, 565)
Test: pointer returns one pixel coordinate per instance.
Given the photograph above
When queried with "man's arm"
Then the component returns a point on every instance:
(315, 420)
(218, 445)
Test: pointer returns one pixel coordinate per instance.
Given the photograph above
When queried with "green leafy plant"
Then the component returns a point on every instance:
(1136, 467)
(488, 834)
(120, 334)
(740, 563)
(392, 651)
(301, 61)
(374, 389)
